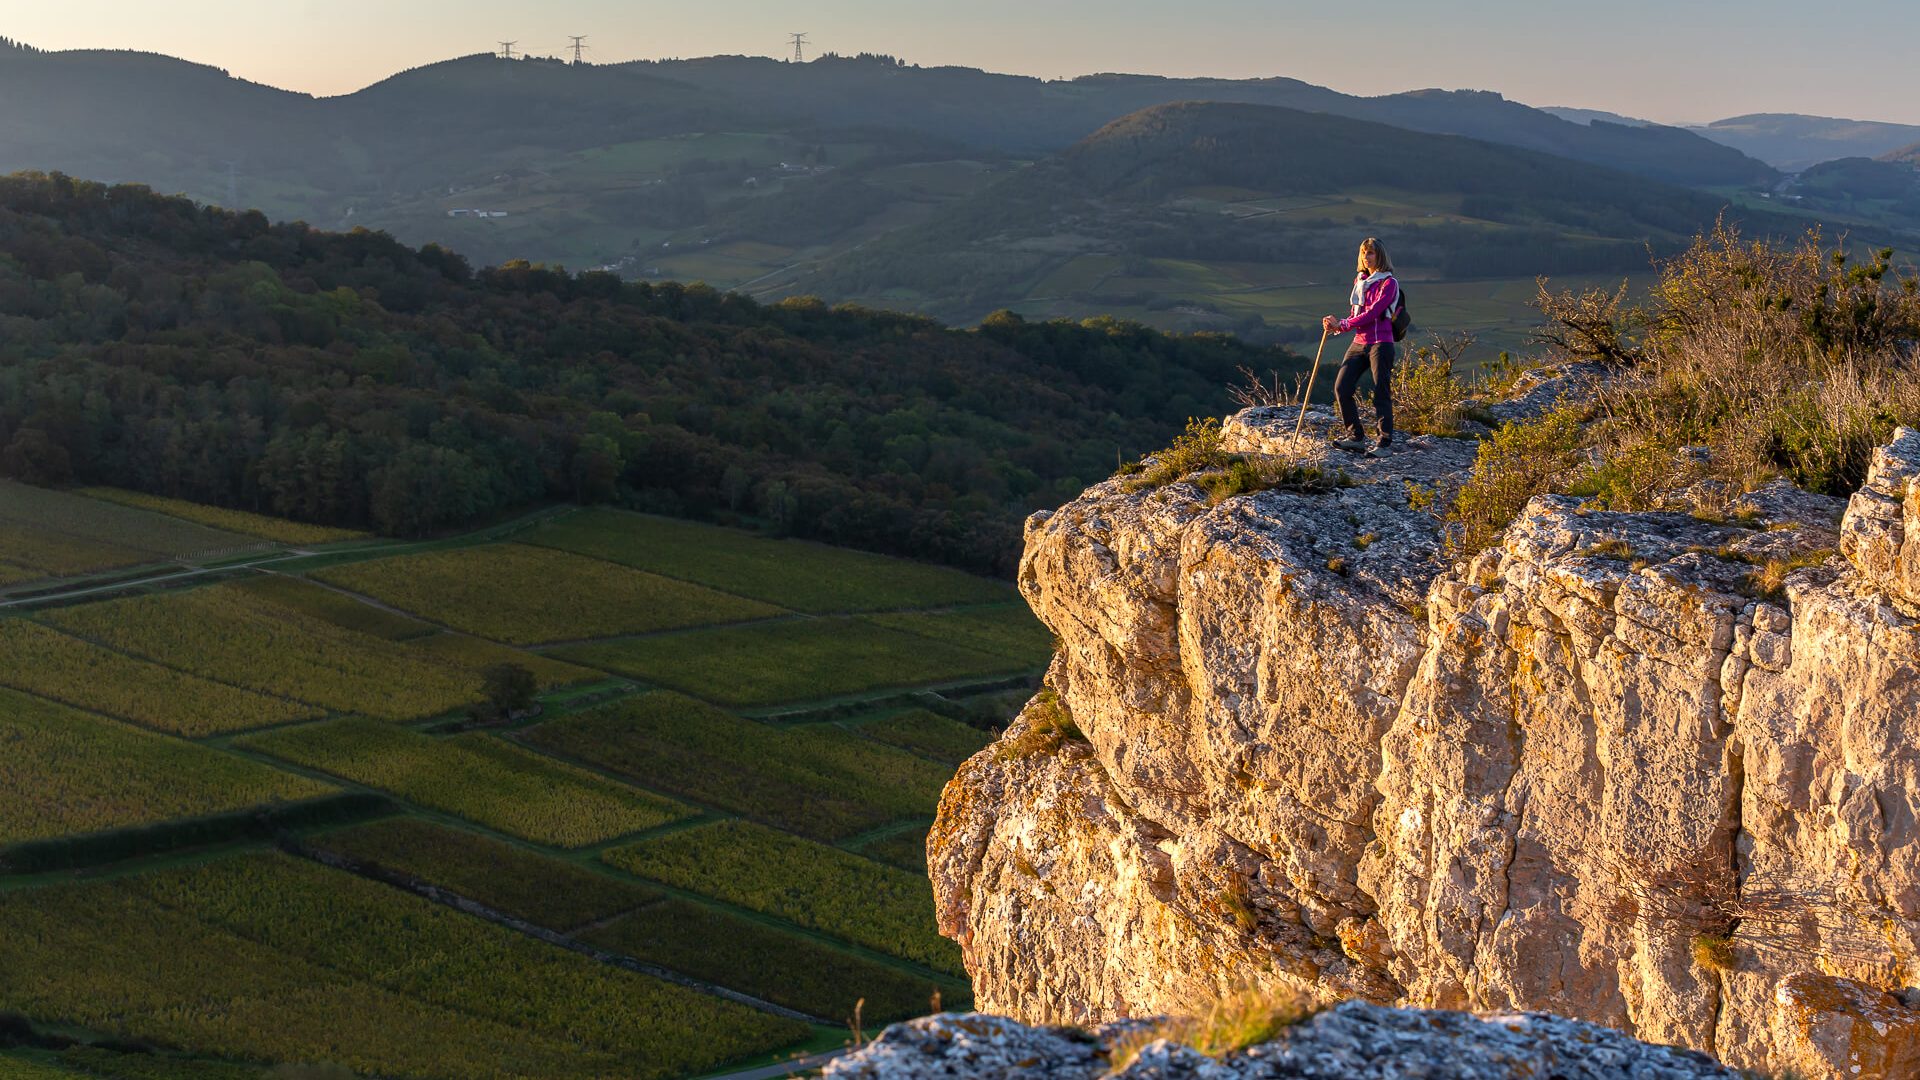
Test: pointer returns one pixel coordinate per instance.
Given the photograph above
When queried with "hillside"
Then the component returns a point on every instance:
(345, 379)
(1253, 211)
(1858, 188)
(1793, 142)
(586, 794)
(739, 172)
(1020, 115)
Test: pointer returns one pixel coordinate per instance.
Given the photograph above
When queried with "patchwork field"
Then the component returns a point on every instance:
(475, 776)
(613, 794)
(928, 734)
(820, 781)
(541, 889)
(780, 967)
(242, 636)
(793, 660)
(790, 573)
(809, 884)
(272, 959)
(66, 772)
(54, 533)
(906, 850)
(59, 666)
(527, 595)
(278, 530)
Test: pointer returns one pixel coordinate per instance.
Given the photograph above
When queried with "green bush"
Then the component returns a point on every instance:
(1777, 359)
(1049, 726)
(1512, 466)
(1194, 450)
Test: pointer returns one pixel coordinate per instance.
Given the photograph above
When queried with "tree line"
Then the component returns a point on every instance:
(346, 379)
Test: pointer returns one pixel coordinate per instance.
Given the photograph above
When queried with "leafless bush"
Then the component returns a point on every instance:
(1253, 392)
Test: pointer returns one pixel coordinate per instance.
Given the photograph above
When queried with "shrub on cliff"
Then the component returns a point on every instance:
(1749, 360)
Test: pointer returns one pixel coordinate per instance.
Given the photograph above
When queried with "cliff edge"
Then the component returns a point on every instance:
(1640, 769)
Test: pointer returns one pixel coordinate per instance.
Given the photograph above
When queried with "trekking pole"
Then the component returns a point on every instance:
(1308, 396)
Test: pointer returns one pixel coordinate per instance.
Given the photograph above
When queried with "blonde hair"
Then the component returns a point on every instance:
(1373, 257)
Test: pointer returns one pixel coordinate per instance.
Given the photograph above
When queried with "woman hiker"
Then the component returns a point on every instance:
(1374, 295)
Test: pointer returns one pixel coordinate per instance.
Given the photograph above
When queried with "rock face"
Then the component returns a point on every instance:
(1355, 1041)
(1613, 769)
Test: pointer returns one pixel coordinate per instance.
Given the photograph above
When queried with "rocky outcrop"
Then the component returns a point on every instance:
(1354, 1041)
(1646, 770)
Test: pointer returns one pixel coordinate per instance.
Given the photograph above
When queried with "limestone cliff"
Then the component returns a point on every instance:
(1599, 771)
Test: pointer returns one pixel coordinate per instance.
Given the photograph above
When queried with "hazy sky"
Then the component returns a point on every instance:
(1668, 60)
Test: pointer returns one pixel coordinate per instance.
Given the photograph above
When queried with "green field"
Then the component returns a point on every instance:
(929, 735)
(66, 772)
(474, 776)
(541, 889)
(792, 661)
(822, 782)
(59, 666)
(790, 573)
(188, 701)
(906, 850)
(236, 635)
(270, 959)
(307, 598)
(1009, 630)
(56, 533)
(20, 1069)
(278, 530)
(809, 884)
(771, 964)
(527, 595)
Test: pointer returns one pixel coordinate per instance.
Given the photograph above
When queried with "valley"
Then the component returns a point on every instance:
(242, 756)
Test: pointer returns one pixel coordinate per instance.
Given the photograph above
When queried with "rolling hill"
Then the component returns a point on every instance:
(1253, 211)
(630, 164)
(345, 379)
(1793, 141)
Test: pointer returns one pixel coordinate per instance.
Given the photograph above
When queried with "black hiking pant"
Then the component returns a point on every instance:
(1379, 358)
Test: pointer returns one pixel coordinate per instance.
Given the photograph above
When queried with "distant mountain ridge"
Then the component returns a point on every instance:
(1258, 184)
(125, 116)
(976, 107)
(1793, 142)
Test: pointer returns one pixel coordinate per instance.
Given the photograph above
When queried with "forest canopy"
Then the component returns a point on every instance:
(345, 379)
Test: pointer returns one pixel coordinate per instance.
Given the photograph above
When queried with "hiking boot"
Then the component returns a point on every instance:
(1354, 445)
(1380, 449)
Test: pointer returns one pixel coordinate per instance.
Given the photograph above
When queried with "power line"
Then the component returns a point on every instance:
(579, 46)
(799, 48)
(506, 49)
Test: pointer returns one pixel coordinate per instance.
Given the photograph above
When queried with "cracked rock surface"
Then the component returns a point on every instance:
(1355, 1041)
(1610, 769)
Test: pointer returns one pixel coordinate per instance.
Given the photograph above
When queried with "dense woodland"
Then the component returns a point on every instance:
(152, 343)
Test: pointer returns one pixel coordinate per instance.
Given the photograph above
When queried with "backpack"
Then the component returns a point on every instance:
(1402, 322)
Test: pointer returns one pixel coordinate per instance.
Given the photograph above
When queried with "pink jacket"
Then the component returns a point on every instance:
(1373, 318)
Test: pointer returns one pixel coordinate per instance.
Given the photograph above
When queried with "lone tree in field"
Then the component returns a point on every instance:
(509, 689)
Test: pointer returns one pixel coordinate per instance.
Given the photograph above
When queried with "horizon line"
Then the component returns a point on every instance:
(831, 55)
